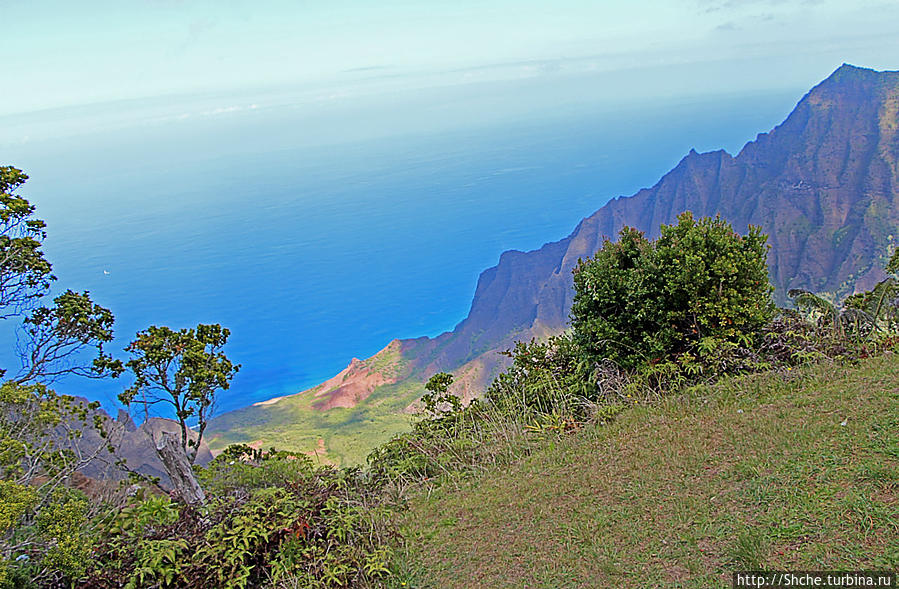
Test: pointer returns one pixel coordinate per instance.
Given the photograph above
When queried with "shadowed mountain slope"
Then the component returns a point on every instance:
(823, 185)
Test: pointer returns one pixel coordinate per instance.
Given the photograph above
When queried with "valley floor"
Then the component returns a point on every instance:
(790, 471)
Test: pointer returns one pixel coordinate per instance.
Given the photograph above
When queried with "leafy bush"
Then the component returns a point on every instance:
(864, 317)
(544, 375)
(438, 401)
(548, 391)
(426, 451)
(241, 469)
(893, 265)
(449, 440)
(43, 522)
(272, 519)
(639, 301)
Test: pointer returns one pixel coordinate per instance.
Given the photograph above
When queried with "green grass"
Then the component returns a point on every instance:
(293, 424)
(754, 472)
(348, 434)
(389, 362)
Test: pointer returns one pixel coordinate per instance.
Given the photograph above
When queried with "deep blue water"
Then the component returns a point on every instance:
(314, 254)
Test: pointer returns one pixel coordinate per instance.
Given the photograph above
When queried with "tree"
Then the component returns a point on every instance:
(25, 274)
(183, 369)
(55, 336)
(52, 337)
(41, 432)
(638, 301)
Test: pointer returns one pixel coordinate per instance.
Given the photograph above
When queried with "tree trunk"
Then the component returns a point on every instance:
(179, 470)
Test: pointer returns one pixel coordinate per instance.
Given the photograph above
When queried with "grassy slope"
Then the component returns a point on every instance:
(753, 472)
(293, 424)
(349, 435)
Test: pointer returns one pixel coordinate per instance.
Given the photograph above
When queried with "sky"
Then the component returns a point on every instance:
(59, 53)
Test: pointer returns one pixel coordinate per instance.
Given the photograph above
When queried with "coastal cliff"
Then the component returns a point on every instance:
(823, 185)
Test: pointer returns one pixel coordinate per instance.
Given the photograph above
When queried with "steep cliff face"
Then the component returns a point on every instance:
(823, 185)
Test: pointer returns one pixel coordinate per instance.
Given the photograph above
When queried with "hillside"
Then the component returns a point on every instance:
(134, 444)
(790, 471)
(823, 185)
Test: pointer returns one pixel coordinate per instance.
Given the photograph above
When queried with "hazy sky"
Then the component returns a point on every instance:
(61, 53)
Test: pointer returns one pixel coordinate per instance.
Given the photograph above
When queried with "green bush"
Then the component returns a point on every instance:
(425, 451)
(543, 376)
(638, 302)
(547, 391)
(240, 470)
(43, 522)
(893, 265)
(271, 520)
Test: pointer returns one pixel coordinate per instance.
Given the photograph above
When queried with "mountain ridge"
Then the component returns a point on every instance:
(823, 184)
(535, 301)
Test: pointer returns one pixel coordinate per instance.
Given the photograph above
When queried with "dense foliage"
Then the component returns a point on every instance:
(639, 301)
(25, 274)
(273, 520)
(42, 518)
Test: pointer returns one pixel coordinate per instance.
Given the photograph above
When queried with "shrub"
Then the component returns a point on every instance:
(438, 401)
(864, 317)
(547, 391)
(638, 301)
(240, 469)
(544, 376)
(43, 537)
(271, 520)
(893, 265)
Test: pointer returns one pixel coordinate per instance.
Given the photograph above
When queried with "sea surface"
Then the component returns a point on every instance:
(315, 252)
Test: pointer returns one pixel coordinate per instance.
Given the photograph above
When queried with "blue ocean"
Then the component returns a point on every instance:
(314, 249)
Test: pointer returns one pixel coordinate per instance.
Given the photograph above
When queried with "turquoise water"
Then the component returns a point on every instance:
(314, 254)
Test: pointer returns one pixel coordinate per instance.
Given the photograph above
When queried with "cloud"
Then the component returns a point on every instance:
(368, 68)
(196, 29)
(711, 6)
(199, 26)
